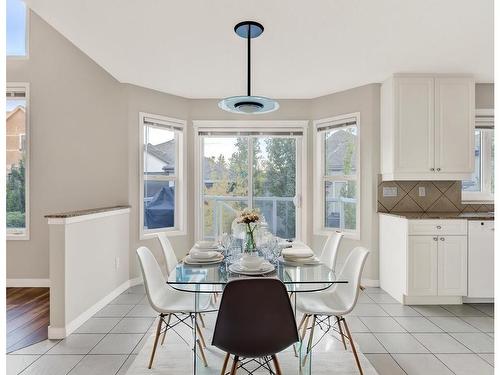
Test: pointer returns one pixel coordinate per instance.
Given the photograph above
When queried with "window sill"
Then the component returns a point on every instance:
(17, 237)
(170, 233)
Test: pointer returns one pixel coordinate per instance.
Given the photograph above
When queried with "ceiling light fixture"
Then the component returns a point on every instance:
(248, 104)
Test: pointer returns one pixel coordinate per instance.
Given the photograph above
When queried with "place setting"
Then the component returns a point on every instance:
(204, 253)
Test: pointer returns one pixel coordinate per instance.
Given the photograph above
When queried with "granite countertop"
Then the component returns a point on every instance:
(85, 212)
(444, 215)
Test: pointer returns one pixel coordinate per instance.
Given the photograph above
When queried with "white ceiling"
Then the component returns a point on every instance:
(308, 49)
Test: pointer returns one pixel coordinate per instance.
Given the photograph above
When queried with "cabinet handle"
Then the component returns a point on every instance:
(442, 238)
(435, 238)
(432, 169)
(438, 227)
(438, 169)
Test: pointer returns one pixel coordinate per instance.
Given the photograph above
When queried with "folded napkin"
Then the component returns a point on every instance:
(294, 252)
(206, 244)
(203, 254)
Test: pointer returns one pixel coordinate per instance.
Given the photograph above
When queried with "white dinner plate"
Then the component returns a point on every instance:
(190, 260)
(238, 268)
(299, 262)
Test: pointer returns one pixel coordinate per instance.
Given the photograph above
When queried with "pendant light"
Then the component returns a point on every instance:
(248, 104)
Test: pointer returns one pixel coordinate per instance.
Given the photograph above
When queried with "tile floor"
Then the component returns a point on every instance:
(396, 339)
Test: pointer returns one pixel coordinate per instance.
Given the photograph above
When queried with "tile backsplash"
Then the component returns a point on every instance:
(440, 196)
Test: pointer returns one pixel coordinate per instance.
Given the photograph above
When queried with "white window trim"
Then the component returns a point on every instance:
(180, 213)
(26, 39)
(319, 203)
(26, 234)
(266, 126)
(484, 196)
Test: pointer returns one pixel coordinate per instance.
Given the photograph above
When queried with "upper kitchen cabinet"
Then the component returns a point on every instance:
(427, 127)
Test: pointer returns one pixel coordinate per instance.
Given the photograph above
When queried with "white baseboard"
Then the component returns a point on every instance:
(62, 332)
(370, 283)
(28, 283)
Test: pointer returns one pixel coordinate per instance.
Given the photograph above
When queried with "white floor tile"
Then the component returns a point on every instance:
(127, 299)
(113, 311)
(421, 364)
(133, 325)
(432, 310)
(99, 365)
(368, 343)
(463, 310)
(356, 325)
(77, 344)
(53, 365)
(396, 309)
(490, 358)
(382, 298)
(477, 342)
(417, 324)
(142, 311)
(98, 325)
(385, 364)
(123, 370)
(451, 324)
(381, 324)
(368, 309)
(466, 364)
(120, 343)
(440, 343)
(483, 323)
(18, 362)
(400, 343)
(487, 308)
(41, 347)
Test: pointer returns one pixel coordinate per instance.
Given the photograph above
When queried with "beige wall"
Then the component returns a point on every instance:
(85, 145)
(79, 140)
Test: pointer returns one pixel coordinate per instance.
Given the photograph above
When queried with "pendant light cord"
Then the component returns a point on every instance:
(249, 61)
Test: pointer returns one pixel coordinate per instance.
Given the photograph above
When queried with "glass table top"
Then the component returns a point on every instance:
(212, 278)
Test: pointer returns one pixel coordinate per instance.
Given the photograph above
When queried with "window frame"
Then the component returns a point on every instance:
(26, 38)
(180, 217)
(27, 212)
(264, 127)
(484, 195)
(320, 178)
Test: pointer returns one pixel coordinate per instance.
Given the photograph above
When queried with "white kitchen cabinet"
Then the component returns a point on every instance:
(481, 259)
(427, 127)
(452, 266)
(422, 265)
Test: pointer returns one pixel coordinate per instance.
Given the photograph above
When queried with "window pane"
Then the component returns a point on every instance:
(159, 168)
(16, 161)
(475, 183)
(340, 151)
(340, 204)
(16, 28)
(274, 183)
(225, 182)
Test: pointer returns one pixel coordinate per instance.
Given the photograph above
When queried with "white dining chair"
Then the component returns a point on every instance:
(330, 250)
(337, 302)
(170, 303)
(169, 256)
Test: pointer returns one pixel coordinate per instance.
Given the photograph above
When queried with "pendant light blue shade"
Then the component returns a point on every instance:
(248, 105)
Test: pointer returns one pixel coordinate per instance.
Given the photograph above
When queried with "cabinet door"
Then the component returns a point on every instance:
(481, 259)
(414, 125)
(452, 266)
(454, 124)
(422, 265)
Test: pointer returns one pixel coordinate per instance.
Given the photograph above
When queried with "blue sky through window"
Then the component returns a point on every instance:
(16, 28)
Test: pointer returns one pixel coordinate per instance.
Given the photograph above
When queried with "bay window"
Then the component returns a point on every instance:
(162, 204)
(337, 175)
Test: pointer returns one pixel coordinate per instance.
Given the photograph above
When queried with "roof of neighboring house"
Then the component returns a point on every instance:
(164, 151)
(15, 110)
(336, 149)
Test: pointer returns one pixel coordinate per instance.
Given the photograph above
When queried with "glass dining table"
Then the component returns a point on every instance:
(200, 279)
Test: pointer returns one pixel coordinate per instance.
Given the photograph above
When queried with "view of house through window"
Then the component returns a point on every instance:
(243, 171)
(159, 176)
(16, 28)
(338, 152)
(16, 157)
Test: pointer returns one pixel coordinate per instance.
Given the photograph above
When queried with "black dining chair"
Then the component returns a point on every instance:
(255, 321)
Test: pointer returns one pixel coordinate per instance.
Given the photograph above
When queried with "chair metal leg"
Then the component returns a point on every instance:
(202, 353)
(235, 365)
(309, 343)
(166, 328)
(341, 332)
(158, 331)
(276, 364)
(352, 346)
(224, 365)
(200, 333)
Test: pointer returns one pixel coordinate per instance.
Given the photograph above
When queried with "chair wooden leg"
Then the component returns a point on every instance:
(301, 322)
(166, 328)
(309, 343)
(276, 364)
(341, 332)
(304, 328)
(200, 333)
(352, 346)
(158, 331)
(202, 352)
(224, 365)
(235, 365)
(202, 321)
